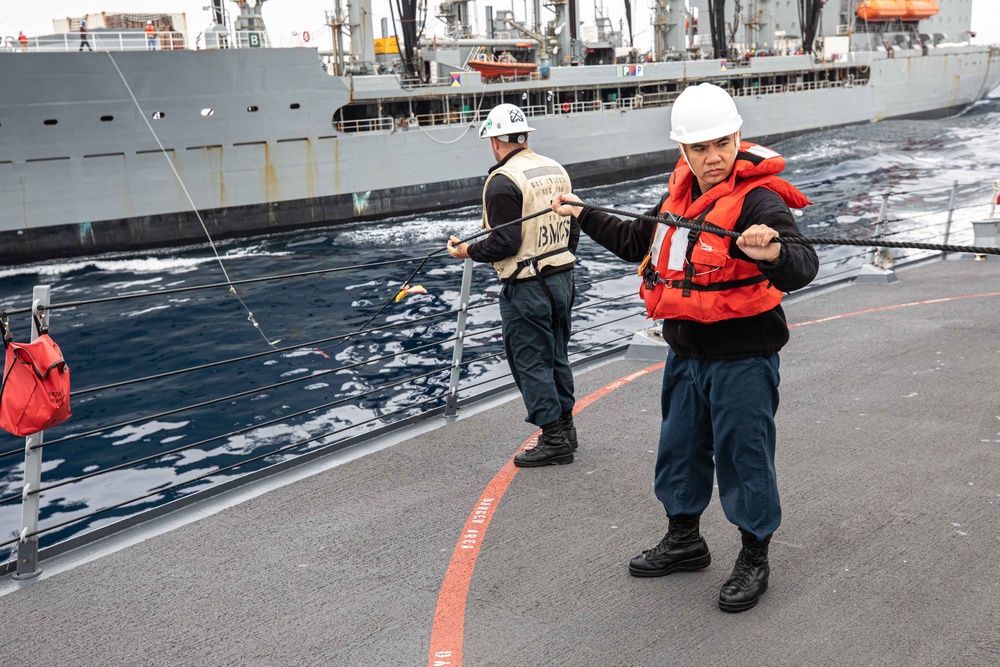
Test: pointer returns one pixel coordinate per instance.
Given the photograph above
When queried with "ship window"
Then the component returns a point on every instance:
(293, 105)
(106, 119)
(158, 115)
(207, 112)
(251, 108)
(51, 121)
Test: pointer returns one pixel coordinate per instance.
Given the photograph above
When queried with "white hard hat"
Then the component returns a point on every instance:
(505, 119)
(149, 23)
(702, 113)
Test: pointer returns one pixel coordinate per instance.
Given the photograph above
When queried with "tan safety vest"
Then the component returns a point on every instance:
(539, 179)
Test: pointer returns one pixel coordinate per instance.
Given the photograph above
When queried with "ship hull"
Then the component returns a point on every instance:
(250, 141)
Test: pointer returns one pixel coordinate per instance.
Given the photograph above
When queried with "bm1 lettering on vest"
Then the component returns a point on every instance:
(552, 233)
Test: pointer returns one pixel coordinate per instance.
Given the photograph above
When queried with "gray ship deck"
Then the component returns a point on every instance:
(888, 553)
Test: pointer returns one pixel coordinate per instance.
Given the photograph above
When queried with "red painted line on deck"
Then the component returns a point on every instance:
(893, 307)
(449, 616)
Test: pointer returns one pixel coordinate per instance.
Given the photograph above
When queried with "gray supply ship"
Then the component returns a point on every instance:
(100, 149)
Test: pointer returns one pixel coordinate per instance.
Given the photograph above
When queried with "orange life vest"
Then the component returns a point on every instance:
(150, 31)
(690, 276)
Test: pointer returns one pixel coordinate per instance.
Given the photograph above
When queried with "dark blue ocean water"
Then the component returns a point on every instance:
(844, 171)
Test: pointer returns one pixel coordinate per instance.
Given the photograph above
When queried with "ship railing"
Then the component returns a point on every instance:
(383, 124)
(659, 99)
(937, 215)
(637, 101)
(462, 117)
(292, 403)
(99, 40)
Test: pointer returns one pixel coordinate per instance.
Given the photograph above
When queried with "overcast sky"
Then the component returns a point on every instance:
(285, 17)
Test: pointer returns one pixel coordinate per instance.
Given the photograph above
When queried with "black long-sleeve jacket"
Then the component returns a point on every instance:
(759, 335)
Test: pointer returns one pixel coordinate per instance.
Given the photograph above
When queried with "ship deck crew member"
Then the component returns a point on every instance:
(23, 39)
(720, 305)
(534, 260)
(150, 36)
(83, 36)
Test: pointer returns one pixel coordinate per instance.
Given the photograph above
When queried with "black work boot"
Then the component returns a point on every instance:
(552, 449)
(566, 421)
(748, 581)
(682, 548)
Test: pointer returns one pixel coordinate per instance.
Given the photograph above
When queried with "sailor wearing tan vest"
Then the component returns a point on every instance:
(534, 260)
(720, 302)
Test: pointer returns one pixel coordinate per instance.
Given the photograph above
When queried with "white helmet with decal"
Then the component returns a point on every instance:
(505, 120)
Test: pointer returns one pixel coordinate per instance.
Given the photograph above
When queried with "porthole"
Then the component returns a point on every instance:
(207, 112)
(51, 121)
(293, 105)
(158, 115)
(251, 108)
(107, 119)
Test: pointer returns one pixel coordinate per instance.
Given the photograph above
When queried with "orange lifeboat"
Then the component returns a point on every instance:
(920, 9)
(882, 10)
(490, 69)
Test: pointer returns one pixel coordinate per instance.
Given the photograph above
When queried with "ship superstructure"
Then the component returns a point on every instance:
(265, 139)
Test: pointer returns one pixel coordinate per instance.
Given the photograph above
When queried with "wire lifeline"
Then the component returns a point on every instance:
(160, 491)
(687, 223)
(194, 208)
(246, 429)
(230, 397)
(303, 412)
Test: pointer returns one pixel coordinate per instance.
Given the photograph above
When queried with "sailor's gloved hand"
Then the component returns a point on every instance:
(563, 205)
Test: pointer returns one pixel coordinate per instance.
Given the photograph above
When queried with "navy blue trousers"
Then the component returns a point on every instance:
(718, 417)
(536, 341)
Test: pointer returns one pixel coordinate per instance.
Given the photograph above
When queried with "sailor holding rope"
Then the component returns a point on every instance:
(720, 306)
(534, 260)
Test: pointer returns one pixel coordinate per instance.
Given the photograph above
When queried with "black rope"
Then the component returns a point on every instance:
(686, 223)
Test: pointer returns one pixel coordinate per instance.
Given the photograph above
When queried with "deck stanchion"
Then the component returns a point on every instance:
(451, 403)
(879, 267)
(27, 547)
(951, 211)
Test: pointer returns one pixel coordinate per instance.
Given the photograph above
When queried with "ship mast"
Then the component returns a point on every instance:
(250, 26)
(564, 28)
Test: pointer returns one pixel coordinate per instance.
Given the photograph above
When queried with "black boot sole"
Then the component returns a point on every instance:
(690, 565)
(737, 607)
(554, 461)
